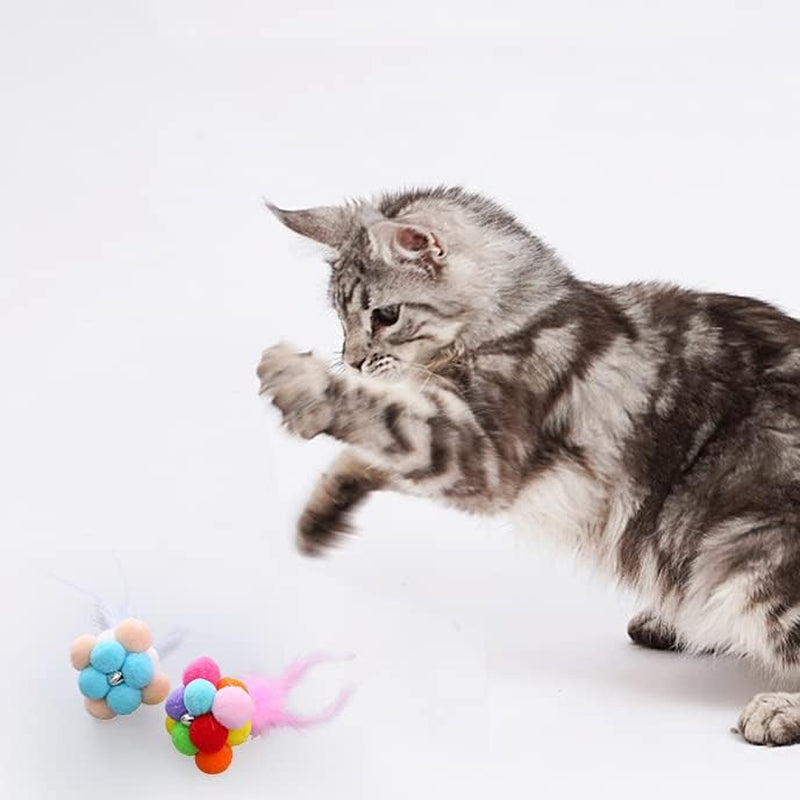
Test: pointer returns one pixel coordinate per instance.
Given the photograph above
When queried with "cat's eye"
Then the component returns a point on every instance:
(385, 317)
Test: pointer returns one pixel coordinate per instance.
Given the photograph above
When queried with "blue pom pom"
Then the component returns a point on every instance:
(93, 684)
(198, 696)
(138, 670)
(107, 656)
(124, 699)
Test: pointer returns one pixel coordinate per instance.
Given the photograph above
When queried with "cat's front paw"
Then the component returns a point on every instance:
(297, 384)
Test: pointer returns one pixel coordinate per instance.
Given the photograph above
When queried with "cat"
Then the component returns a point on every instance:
(653, 429)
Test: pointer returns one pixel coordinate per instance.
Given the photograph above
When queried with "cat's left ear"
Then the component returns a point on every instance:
(410, 245)
(327, 225)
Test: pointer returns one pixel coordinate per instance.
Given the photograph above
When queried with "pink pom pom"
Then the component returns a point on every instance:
(233, 707)
(203, 667)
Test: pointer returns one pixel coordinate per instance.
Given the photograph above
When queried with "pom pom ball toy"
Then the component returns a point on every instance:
(209, 715)
(118, 666)
(118, 670)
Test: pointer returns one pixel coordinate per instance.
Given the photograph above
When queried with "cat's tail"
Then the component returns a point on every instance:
(328, 513)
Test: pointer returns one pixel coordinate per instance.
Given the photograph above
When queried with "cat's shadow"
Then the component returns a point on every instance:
(718, 681)
(660, 676)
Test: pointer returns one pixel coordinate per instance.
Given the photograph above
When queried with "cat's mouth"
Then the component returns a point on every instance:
(381, 365)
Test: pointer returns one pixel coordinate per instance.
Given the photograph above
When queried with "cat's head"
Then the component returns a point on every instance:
(415, 275)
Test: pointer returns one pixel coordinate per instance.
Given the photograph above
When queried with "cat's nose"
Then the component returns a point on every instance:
(356, 362)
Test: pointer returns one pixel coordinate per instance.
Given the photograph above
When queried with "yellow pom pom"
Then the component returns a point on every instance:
(239, 735)
(169, 724)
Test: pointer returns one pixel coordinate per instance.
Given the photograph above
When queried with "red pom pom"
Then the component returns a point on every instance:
(203, 667)
(207, 734)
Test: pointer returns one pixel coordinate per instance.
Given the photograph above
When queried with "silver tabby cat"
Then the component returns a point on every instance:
(653, 429)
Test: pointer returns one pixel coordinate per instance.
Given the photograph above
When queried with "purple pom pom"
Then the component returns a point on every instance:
(174, 705)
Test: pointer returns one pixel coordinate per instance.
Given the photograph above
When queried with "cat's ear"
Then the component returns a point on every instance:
(324, 224)
(410, 245)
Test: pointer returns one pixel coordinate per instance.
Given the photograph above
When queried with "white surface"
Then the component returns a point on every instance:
(140, 279)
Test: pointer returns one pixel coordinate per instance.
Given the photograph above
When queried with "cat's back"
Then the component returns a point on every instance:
(729, 337)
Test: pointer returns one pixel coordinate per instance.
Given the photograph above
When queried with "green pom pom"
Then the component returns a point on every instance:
(180, 738)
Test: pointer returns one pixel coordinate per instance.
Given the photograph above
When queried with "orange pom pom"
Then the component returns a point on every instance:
(214, 763)
(222, 682)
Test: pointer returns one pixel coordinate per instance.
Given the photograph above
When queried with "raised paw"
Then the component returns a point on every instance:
(772, 718)
(297, 384)
(647, 630)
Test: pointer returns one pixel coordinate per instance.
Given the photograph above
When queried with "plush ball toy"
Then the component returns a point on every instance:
(209, 715)
(118, 670)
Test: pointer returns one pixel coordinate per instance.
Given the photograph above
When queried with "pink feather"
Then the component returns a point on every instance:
(270, 697)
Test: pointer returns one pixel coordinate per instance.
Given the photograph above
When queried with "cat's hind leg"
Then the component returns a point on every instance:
(744, 599)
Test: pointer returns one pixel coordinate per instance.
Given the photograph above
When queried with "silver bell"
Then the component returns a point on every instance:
(115, 678)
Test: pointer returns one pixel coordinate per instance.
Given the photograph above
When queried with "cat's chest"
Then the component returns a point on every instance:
(585, 503)
(575, 510)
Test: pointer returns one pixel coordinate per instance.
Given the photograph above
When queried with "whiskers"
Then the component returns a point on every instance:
(426, 375)
(336, 364)
(388, 367)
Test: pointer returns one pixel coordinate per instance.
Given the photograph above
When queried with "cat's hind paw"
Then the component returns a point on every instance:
(772, 718)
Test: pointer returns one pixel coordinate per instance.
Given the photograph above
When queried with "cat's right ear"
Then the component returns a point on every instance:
(325, 224)
(410, 245)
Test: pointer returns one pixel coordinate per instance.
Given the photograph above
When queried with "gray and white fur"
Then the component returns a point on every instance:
(654, 430)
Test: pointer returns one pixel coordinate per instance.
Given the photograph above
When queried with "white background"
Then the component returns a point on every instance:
(140, 278)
